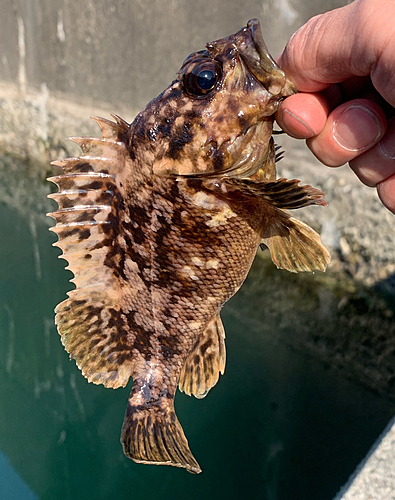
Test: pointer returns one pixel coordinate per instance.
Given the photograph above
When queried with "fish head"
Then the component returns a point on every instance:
(216, 118)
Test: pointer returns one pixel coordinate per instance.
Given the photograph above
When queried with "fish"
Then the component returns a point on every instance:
(160, 221)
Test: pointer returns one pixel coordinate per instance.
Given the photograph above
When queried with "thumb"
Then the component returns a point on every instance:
(346, 42)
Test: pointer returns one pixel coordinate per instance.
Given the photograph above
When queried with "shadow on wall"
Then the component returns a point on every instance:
(348, 325)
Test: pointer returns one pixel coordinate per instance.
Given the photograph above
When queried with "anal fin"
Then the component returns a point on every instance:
(205, 362)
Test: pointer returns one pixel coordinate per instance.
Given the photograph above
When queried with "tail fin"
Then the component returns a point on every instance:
(153, 435)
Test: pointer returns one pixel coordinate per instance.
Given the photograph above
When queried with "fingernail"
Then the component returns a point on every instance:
(387, 145)
(356, 128)
(293, 123)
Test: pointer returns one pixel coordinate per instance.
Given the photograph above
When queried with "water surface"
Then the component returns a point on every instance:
(280, 425)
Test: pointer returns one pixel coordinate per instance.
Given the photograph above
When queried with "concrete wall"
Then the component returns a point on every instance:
(63, 60)
(127, 51)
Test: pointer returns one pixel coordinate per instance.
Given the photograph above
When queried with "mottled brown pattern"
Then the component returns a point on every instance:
(160, 221)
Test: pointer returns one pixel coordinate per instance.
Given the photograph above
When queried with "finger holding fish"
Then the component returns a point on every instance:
(342, 64)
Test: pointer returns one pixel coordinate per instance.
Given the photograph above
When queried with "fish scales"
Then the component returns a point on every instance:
(160, 221)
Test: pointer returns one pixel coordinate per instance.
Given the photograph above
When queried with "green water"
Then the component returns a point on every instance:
(280, 424)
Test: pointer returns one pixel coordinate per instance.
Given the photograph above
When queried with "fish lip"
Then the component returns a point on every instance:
(261, 64)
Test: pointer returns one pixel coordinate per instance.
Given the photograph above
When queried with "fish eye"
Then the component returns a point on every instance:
(202, 76)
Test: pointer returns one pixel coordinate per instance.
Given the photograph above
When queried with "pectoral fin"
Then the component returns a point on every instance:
(205, 362)
(294, 245)
(281, 193)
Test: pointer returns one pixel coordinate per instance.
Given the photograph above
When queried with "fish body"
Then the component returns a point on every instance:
(160, 221)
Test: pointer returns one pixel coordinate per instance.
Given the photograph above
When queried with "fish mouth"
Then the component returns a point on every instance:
(251, 47)
(261, 64)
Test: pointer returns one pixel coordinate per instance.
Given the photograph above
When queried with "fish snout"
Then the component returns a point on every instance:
(261, 64)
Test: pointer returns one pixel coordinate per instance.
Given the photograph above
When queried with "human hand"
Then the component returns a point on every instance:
(343, 63)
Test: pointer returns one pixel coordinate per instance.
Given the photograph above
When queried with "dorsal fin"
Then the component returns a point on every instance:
(111, 130)
(124, 125)
(96, 324)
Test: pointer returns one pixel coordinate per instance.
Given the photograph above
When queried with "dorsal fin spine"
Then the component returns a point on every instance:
(121, 122)
(61, 163)
(109, 129)
(67, 192)
(80, 208)
(95, 140)
(79, 224)
(79, 175)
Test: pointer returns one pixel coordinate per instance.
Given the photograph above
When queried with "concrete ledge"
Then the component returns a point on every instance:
(374, 479)
(34, 124)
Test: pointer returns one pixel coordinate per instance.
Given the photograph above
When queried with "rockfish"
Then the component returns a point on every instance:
(160, 221)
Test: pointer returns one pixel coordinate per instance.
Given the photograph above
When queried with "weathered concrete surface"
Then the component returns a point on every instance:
(127, 51)
(374, 479)
(34, 125)
(113, 56)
